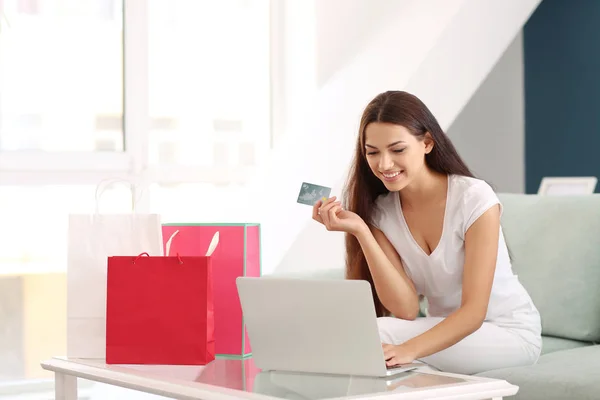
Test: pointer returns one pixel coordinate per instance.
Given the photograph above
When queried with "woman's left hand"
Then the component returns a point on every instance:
(397, 354)
(335, 218)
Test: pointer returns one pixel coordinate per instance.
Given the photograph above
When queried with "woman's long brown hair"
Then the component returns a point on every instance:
(363, 187)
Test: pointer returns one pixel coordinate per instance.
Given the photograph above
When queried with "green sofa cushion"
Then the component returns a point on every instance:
(555, 246)
(568, 374)
(551, 344)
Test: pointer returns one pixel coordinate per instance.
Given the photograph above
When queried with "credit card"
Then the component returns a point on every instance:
(311, 193)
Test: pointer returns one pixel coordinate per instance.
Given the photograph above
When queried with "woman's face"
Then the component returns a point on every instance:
(394, 155)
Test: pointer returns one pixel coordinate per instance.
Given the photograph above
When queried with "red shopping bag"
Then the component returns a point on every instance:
(159, 310)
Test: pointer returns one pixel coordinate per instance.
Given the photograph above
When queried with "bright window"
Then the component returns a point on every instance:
(173, 95)
(61, 79)
(209, 82)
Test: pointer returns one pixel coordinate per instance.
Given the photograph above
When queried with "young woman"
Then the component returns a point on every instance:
(419, 224)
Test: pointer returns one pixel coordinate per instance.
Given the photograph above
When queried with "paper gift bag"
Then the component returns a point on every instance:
(92, 239)
(159, 310)
(238, 254)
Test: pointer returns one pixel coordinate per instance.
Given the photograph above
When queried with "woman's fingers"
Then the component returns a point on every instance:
(388, 353)
(391, 362)
(315, 213)
(328, 217)
(325, 212)
(317, 208)
(333, 218)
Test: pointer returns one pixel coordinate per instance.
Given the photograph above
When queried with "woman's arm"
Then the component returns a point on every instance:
(481, 251)
(394, 288)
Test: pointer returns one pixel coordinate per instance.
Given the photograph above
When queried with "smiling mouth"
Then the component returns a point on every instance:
(391, 175)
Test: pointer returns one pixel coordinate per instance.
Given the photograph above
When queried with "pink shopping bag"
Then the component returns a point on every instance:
(238, 254)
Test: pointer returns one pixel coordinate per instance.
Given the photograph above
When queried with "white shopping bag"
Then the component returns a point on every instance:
(92, 239)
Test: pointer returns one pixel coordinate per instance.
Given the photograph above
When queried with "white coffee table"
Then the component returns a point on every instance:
(240, 379)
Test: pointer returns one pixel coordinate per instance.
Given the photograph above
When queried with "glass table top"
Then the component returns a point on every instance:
(243, 375)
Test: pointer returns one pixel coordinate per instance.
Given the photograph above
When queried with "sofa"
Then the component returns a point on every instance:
(554, 242)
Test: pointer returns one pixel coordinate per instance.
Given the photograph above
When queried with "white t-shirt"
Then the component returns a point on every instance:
(438, 276)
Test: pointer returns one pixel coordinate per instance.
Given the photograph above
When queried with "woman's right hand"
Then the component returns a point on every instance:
(331, 214)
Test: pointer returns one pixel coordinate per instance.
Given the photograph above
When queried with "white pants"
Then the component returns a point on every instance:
(490, 347)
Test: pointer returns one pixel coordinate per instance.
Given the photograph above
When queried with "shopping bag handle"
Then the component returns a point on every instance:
(140, 256)
(148, 255)
(106, 183)
(168, 245)
(213, 244)
(211, 247)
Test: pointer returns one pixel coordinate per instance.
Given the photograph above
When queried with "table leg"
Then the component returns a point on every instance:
(65, 386)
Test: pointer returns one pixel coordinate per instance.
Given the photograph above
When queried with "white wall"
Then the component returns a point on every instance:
(489, 133)
(345, 27)
(441, 50)
(321, 122)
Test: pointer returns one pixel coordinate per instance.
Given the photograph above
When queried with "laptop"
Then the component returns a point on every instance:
(314, 326)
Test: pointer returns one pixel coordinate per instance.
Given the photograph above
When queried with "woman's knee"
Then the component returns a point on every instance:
(397, 331)
(387, 326)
